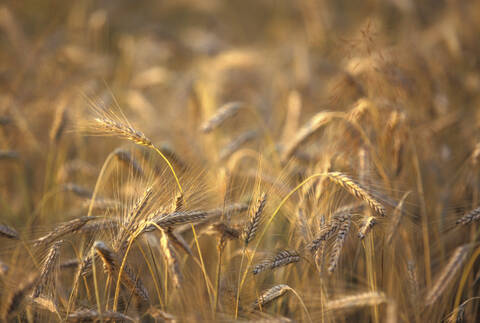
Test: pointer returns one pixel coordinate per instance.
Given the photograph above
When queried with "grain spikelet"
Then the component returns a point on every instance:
(367, 227)
(3, 269)
(178, 218)
(122, 130)
(45, 303)
(71, 263)
(47, 269)
(252, 225)
(139, 206)
(356, 190)
(64, 229)
(59, 123)
(8, 155)
(236, 143)
(312, 126)
(171, 259)
(111, 263)
(8, 232)
(226, 231)
(356, 300)
(339, 217)
(448, 273)
(283, 258)
(338, 245)
(397, 217)
(15, 301)
(77, 190)
(177, 239)
(126, 158)
(86, 315)
(473, 215)
(270, 295)
(109, 258)
(178, 205)
(224, 113)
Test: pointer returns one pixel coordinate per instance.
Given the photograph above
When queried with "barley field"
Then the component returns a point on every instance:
(240, 161)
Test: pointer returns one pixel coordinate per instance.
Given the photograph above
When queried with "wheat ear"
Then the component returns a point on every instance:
(356, 190)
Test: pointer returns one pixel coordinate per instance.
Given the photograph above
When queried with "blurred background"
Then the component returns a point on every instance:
(170, 64)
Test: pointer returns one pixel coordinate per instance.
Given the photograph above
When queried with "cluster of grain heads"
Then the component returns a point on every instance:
(328, 231)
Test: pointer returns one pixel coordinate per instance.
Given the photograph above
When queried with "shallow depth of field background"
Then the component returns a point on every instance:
(399, 80)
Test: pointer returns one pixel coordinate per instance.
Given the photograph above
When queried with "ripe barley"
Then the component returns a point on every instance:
(256, 215)
(236, 143)
(64, 229)
(367, 227)
(448, 273)
(356, 190)
(283, 258)
(308, 130)
(170, 257)
(338, 245)
(47, 269)
(356, 300)
(8, 232)
(472, 216)
(126, 158)
(224, 113)
(270, 295)
(86, 315)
